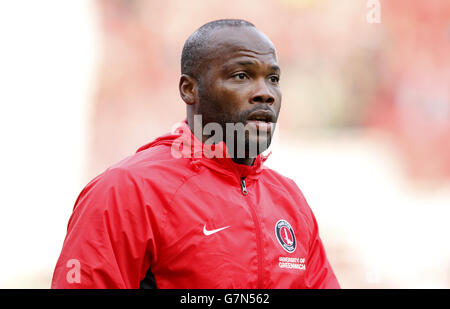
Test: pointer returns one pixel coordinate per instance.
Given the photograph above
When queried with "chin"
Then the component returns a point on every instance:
(256, 145)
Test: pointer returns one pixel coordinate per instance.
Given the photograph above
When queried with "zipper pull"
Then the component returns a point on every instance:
(244, 187)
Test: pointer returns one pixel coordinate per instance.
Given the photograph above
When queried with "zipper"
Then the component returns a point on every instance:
(258, 235)
(244, 186)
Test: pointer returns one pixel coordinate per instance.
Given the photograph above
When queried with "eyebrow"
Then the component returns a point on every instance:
(251, 63)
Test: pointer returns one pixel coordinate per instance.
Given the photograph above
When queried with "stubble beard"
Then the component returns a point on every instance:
(242, 140)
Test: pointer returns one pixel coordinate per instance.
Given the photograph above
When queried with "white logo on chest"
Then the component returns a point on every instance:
(207, 233)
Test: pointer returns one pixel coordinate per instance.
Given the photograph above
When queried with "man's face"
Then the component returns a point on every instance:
(239, 83)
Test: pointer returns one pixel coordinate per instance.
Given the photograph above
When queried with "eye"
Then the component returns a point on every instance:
(274, 79)
(240, 76)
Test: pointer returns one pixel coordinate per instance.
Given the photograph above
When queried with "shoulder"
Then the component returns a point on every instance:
(148, 173)
(290, 187)
(157, 161)
(274, 178)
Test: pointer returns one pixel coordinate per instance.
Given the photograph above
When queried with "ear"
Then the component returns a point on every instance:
(188, 89)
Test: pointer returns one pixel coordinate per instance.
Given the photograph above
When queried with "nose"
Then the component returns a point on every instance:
(262, 93)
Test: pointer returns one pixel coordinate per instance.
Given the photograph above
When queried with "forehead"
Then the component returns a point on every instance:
(229, 43)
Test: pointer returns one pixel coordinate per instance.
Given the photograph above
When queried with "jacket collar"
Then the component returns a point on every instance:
(216, 156)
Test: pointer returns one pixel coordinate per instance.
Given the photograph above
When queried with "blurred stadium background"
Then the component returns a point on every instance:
(364, 128)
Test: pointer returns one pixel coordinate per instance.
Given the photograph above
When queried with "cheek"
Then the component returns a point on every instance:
(233, 93)
(218, 104)
(231, 98)
(277, 105)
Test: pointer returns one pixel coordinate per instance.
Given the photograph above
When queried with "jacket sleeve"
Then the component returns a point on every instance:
(109, 240)
(319, 274)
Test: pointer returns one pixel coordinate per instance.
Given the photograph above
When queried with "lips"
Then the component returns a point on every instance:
(262, 115)
(262, 120)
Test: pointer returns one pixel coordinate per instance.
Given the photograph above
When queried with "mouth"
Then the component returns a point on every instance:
(263, 115)
(263, 120)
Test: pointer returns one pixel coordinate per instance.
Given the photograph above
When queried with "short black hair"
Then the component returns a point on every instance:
(195, 46)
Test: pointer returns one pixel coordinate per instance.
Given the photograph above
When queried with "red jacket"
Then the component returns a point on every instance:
(158, 220)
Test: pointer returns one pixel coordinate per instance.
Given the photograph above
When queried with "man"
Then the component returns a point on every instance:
(193, 209)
